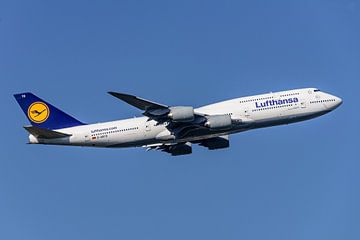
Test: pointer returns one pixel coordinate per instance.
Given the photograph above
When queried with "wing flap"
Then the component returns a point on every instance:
(45, 133)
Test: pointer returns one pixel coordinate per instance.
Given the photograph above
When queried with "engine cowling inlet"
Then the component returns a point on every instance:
(182, 114)
(218, 122)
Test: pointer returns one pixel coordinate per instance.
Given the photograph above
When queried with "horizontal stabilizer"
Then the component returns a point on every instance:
(45, 133)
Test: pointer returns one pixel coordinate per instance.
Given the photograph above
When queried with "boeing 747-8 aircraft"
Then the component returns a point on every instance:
(174, 129)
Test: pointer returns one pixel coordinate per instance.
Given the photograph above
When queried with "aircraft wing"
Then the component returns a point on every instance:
(183, 121)
(151, 109)
(137, 102)
(174, 149)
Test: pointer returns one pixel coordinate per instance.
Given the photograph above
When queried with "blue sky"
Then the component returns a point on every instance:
(291, 182)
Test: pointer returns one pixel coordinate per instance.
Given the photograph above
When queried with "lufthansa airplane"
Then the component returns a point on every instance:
(173, 129)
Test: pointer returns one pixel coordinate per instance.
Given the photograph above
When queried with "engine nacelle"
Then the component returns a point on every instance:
(165, 135)
(180, 149)
(241, 120)
(216, 143)
(182, 114)
(218, 122)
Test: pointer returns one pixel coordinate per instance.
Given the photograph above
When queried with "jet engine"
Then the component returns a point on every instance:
(181, 114)
(216, 143)
(180, 149)
(218, 122)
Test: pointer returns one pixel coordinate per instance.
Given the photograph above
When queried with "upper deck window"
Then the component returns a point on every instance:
(317, 90)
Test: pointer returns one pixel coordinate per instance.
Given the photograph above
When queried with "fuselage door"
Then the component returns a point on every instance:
(303, 103)
(246, 111)
(147, 126)
(147, 129)
(87, 137)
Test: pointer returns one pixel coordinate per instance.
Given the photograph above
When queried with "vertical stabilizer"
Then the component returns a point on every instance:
(44, 115)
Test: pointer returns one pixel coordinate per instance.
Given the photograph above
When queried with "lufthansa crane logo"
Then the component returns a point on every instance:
(38, 112)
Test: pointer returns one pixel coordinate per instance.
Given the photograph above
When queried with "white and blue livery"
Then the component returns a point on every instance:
(174, 129)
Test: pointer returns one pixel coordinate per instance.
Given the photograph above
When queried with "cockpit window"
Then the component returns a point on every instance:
(317, 90)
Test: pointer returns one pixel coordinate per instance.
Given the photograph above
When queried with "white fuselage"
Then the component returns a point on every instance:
(252, 112)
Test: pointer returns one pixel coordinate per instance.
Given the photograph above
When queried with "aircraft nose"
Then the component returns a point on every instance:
(332, 102)
(338, 101)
